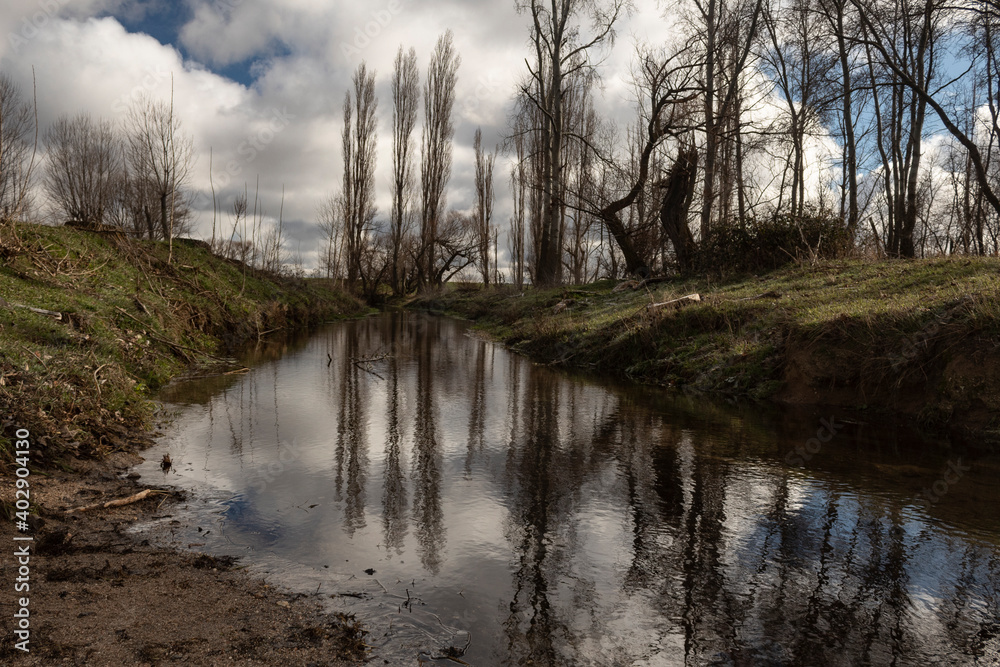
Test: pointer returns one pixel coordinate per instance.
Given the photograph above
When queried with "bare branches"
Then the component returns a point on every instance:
(405, 99)
(436, 149)
(358, 195)
(159, 158)
(562, 56)
(484, 206)
(85, 168)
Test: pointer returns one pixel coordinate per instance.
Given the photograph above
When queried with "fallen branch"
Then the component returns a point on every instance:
(677, 303)
(36, 355)
(365, 363)
(169, 342)
(41, 311)
(142, 495)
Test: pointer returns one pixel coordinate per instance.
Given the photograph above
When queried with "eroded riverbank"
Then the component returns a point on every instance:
(91, 325)
(916, 338)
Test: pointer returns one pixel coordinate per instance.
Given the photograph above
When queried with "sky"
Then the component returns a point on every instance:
(259, 84)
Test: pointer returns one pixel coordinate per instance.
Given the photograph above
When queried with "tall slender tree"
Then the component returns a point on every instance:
(357, 197)
(436, 150)
(405, 99)
(562, 48)
(484, 206)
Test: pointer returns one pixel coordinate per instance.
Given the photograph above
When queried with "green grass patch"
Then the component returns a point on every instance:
(131, 320)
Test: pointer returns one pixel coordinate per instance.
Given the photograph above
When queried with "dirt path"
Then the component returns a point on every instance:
(102, 595)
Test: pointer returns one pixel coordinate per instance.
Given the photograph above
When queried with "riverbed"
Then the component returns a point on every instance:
(463, 501)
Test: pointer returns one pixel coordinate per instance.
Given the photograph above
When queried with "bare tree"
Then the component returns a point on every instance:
(357, 197)
(836, 14)
(561, 51)
(405, 98)
(798, 60)
(85, 167)
(667, 80)
(484, 206)
(727, 32)
(15, 148)
(904, 43)
(159, 158)
(519, 191)
(436, 150)
(331, 252)
(456, 244)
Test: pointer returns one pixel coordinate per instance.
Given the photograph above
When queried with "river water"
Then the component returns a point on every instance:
(458, 498)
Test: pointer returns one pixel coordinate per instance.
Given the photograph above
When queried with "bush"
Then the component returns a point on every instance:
(764, 244)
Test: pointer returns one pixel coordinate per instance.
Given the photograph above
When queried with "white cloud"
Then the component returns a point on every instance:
(285, 128)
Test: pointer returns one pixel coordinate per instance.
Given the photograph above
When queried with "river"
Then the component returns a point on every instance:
(458, 498)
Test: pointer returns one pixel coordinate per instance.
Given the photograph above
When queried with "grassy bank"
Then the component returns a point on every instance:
(122, 321)
(916, 337)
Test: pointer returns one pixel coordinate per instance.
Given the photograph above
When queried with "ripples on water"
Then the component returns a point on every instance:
(544, 519)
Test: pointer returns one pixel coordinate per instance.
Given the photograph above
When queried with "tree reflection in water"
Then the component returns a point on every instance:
(566, 522)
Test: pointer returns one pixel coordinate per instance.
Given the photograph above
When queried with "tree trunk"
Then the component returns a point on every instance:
(679, 186)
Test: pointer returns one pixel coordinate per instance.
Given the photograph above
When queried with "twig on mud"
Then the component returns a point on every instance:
(142, 495)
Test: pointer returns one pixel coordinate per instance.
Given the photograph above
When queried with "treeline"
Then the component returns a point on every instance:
(423, 243)
(131, 175)
(765, 130)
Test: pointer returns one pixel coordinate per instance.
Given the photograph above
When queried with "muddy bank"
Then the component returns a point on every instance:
(102, 595)
(91, 326)
(915, 338)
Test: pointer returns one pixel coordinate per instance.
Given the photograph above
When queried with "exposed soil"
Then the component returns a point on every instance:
(956, 385)
(103, 595)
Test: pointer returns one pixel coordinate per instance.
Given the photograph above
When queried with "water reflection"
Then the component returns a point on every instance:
(564, 522)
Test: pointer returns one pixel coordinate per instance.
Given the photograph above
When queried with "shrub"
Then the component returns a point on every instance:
(764, 244)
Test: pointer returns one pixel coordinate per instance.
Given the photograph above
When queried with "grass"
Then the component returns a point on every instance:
(892, 334)
(82, 385)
